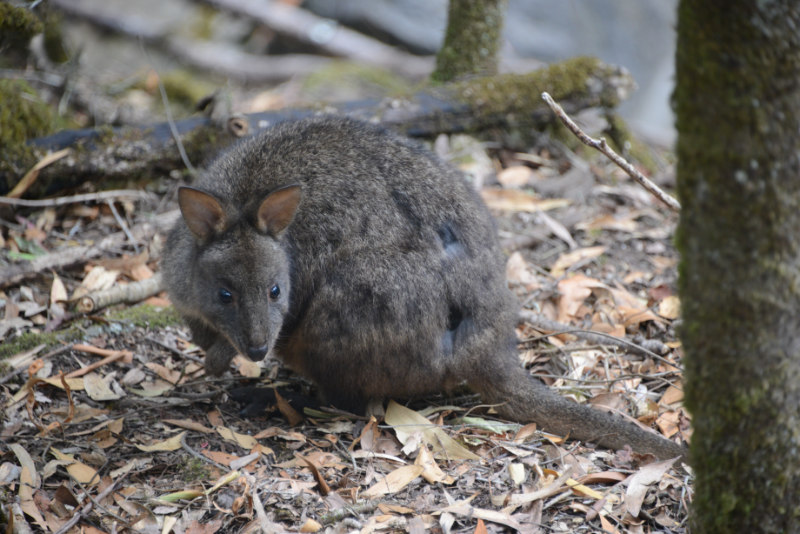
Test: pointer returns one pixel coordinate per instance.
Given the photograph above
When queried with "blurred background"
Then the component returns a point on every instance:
(271, 54)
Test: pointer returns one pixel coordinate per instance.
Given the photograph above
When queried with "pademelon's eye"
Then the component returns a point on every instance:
(274, 292)
(225, 296)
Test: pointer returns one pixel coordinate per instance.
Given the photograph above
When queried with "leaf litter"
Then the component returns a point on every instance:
(138, 439)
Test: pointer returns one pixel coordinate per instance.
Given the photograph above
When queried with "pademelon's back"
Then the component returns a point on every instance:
(359, 181)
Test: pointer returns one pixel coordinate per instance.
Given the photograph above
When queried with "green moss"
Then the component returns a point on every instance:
(340, 80)
(29, 340)
(141, 316)
(204, 142)
(498, 95)
(54, 44)
(204, 21)
(194, 469)
(517, 97)
(146, 316)
(22, 116)
(184, 88)
(17, 26)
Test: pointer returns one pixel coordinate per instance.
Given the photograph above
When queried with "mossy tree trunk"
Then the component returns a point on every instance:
(472, 39)
(737, 103)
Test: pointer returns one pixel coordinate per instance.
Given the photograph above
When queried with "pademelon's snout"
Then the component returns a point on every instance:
(257, 353)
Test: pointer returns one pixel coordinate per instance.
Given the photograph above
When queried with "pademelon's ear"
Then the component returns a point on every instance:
(202, 213)
(277, 210)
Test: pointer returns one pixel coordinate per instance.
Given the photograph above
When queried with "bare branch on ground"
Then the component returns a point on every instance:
(602, 146)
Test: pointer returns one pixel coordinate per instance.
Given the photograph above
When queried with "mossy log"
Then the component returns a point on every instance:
(510, 101)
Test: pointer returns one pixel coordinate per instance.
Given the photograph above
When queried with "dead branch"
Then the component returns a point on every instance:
(82, 512)
(73, 255)
(327, 35)
(229, 61)
(102, 196)
(215, 57)
(121, 293)
(602, 146)
(542, 323)
(509, 101)
(109, 356)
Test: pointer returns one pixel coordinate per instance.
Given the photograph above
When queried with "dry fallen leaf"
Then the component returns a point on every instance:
(247, 367)
(99, 388)
(171, 444)
(670, 307)
(222, 458)
(573, 292)
(604, 477)
(621, 223)
(58, 293)
(672, 395)
(243, 440)
(286, 409)
(515, 200)
(188, 424)
(77, 470)
(584, 490)
(608, 527)
(75, 384)
(515, 176)
(518, 271)
(324, 488)
(463, 508)
(169, 375)
(97, 279)
(394, 481)
(29, 483)
(640, 481)
(516, 471)
(407, 423)
(431, 470)
(669, 423)
(568, 259)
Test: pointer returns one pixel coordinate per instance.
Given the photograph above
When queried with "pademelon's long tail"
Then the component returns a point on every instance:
(522, 398)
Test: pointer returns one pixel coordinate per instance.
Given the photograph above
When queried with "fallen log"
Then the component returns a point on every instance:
(508, 102)
(327, 36)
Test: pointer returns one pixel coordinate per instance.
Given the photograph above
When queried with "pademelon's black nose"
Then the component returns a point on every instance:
(257, 353)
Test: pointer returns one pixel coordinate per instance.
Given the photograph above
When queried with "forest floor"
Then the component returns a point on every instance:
(108, 423)
(146, 441)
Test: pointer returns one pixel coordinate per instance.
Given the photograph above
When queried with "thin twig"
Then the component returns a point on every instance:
(602, 146)
(123, 225)
(168, 112)
(172, 128)
(102, 196)
(542, 323)
(199, 456)
(88, 507)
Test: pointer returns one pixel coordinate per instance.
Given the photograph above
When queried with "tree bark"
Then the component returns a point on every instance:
(737, 103)
(472, 39)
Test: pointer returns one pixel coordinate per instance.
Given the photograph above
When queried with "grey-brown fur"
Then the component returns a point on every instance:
(391, 279)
